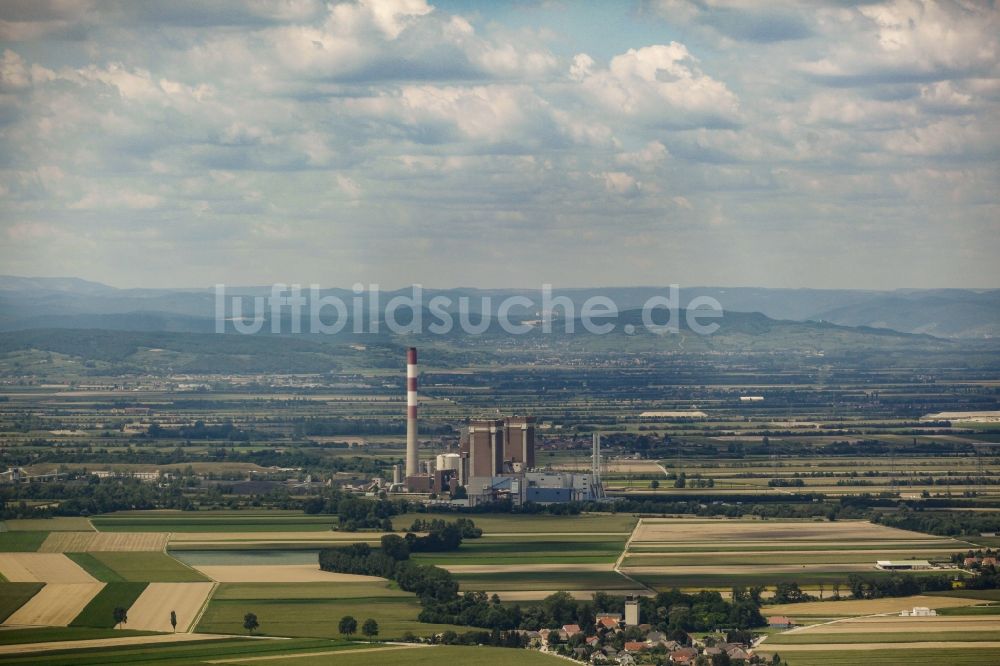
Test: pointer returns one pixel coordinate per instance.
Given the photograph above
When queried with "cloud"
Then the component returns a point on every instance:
(910, 41)
(260, 129)
(658, 85)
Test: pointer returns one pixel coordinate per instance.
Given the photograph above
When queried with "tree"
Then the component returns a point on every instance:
(121, 616)
(250, 622)
(370, 628)
(654, 484)
(348, 625)
(173, 620)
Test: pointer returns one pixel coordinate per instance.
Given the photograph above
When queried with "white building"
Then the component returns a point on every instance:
(919, 611)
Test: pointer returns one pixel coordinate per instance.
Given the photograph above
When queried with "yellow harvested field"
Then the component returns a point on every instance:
(25, 648)
(843, 531)
(55, 605)
(348, 537)
(279, 573)
(500, 568)
(865, 606)
(151, 611)
(90, 542)
(42, 568)
(896, 624)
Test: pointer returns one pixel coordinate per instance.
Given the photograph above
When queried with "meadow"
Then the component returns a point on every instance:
(313, 617)
(136, 567)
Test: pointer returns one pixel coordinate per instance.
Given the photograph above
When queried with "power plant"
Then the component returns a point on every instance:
(495, 461)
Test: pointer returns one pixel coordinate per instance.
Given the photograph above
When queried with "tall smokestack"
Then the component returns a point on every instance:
(412, 458)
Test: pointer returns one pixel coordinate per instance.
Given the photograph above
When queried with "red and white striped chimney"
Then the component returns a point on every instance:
(412, 456)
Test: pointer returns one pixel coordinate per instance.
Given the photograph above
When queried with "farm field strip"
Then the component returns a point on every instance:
(904, 624)
(86, 542)
(314, 536)
(340, 590)
(877, 647)
(151, 611)
(773, 558)
(57, 524)
(853, 607)
(56, 604)
(279, 573)
(43, 568)
(143, 567)
(86, 644)
(681, 531)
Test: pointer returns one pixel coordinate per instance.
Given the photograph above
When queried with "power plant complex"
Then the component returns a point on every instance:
(495, 461)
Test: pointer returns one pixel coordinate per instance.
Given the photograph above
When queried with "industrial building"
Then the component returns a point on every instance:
(495, 461)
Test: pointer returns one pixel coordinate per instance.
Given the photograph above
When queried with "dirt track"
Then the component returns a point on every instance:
(42, 568)
(55, 605)
(151, 611)
(279, 573)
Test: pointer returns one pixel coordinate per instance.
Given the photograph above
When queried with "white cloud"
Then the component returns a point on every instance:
(660, 85)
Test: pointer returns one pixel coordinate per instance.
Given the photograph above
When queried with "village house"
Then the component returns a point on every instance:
(683, 655)
(780, 622)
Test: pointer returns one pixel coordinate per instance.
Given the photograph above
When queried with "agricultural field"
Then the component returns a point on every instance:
(100, 611)
(311, 616)
(666, 553)
(85, 542)
(42, 567)
(55, 605)
(137, 567)
(212, 522)
(151, 610)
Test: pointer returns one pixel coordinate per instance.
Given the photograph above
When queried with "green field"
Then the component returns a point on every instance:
(46, 634)
(890, 657)
(21, 542)
(136, 567)
(234, 591)
(15, 595)
(170, 654)
(459, 655)
(986, 595)
(992, 609)
(533, 550)
(544, 580)
(89, 563)
(100, 611)
(317, 618)
(234, 521)
(57, 524)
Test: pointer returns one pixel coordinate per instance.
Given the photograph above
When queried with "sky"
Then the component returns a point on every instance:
(821, 144)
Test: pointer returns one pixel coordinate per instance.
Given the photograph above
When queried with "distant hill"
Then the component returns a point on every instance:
(27, 303)
(951, 313)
